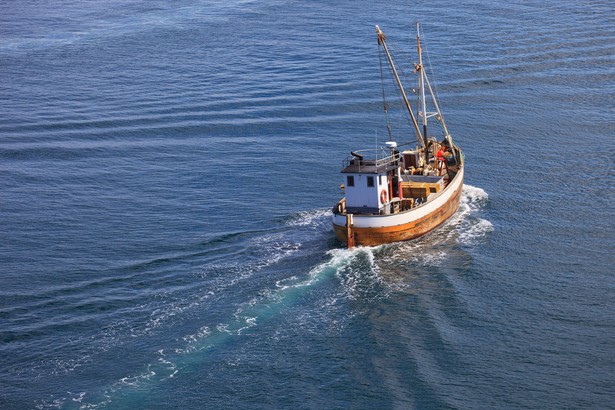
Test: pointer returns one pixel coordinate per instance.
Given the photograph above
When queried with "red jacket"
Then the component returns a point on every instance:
(440, 154)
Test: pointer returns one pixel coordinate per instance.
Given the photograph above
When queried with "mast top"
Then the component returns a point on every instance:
(418, 39)
(381, 36)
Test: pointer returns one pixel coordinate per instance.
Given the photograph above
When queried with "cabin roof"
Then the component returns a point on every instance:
(357, 165)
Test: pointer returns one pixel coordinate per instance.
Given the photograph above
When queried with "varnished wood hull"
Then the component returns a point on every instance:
(371, 230)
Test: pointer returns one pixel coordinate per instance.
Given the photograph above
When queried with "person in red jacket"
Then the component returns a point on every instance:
(441, 151)
(441, 159)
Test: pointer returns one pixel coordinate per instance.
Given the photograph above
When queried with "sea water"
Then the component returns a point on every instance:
(168, 170)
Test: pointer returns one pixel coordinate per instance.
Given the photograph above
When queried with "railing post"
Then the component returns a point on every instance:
(350, 232)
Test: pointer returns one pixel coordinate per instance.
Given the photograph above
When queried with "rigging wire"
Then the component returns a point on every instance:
(436, 98)
(433, 82)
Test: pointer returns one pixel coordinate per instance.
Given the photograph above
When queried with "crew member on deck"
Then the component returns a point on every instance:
(451, 162)
(440, 158)
(441, 151)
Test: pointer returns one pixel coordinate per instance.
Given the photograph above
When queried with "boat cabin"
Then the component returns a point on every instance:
(370, 184)
(386, 183)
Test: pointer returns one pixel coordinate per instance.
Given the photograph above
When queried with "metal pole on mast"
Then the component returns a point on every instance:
(421, 73)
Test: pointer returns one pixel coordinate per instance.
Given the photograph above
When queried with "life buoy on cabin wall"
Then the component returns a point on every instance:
(383, 196)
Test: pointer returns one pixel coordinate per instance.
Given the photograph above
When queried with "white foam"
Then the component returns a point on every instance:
(76, 397)
(470, 227)
(193, 340)
(137, 380)
(358, 271)
(274, 248)
(168, 365)
(432, 258)
(310, 218)
(471, 193)
(474, 232)
(286, 282)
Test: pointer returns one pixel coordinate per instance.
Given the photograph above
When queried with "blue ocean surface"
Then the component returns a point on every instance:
(167, 174)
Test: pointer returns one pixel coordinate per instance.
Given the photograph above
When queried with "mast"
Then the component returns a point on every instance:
(424, 80)
(382, 41)
(421, 73)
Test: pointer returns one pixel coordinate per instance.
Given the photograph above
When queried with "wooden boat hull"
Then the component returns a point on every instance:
(371, 230)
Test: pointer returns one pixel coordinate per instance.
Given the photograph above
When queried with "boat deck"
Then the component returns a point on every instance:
(416, 190)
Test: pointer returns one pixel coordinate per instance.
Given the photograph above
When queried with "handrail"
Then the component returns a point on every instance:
(365, 159)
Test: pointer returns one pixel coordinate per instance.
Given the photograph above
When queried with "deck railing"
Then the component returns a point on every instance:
(372, 157)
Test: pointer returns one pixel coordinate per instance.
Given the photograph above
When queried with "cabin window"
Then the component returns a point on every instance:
(379, 179)
(350, 180)
(370, 181)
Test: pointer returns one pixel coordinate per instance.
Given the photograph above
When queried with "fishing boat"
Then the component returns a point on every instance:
(391, 194)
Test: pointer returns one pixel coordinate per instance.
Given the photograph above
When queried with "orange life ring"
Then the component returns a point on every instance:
(383, 196)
